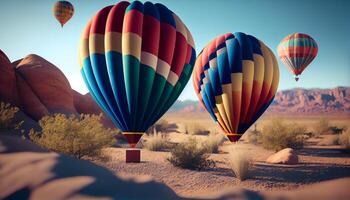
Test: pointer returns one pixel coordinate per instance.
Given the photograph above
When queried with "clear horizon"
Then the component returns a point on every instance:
(31, 28)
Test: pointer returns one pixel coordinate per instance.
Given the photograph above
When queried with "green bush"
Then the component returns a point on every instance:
(278, 135)
(213, 142)
(7, 115)
(78, 136)
(344, 139)
(195, 129)
(190, 155)
(156, 142)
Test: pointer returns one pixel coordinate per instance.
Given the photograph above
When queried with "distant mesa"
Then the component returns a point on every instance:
(294, 102)
(40, 88)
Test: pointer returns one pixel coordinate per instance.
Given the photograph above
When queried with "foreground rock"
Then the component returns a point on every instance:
(286, 156)
(29, 172)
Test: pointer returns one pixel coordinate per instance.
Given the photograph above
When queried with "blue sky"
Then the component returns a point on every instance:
(29, 27)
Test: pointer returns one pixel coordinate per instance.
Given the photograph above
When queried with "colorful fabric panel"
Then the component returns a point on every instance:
(63, 11)
(136, 59)
(236, 77)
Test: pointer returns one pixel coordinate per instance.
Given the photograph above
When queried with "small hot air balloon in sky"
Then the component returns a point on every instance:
(63, 11)
(136, 59)
(297, 51)
(235, 78)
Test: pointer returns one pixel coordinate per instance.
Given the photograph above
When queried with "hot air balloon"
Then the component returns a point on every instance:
(297, 51)
(235, 78)
(63, 11)
(136, 59)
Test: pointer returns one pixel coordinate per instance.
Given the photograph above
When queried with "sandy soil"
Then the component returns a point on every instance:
(317, 163)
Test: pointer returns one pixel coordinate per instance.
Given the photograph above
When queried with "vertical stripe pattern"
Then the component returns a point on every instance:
(235, 78)
(135, 60)
(297, 51)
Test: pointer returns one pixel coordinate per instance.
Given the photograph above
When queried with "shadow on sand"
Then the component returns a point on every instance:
(302, 173)
(324, 152)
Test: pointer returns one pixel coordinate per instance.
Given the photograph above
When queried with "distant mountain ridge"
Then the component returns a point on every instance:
(294, 101)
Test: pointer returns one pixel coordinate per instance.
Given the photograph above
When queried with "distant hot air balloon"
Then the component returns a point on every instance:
(63, 11)
(297, 51)
(136, 59)
(235, 77)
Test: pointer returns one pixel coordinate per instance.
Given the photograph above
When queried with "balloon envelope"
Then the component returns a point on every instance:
(235, 77)
(136, 59)
(63, 11)
(297, 51)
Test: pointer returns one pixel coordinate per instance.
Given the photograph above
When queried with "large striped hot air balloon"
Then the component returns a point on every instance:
(235, 77)
(136, 59)
(63, 11)
(297, 51)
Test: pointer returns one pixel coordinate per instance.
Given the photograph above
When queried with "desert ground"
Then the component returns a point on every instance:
(316, 163)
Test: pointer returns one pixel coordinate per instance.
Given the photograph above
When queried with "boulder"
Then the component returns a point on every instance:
(84, 104)
(39, 88)
(47, 83)
(30, 103)
(7, 80)
(286, 156)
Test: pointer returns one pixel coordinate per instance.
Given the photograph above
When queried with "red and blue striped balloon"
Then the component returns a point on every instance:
(235, 77)
(297, 51)
(136, 59)
(63, 11)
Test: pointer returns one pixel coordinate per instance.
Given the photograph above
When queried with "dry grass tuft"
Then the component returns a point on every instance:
(213, 142)
(240, 162)
(251, 136)
(329, 140)
(321, 127)
(344, 139)
(160, 126)
(195, 129)
(156, 142)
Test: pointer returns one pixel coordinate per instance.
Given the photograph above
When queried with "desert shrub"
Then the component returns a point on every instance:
(160, 126)
(213, 142)
(329, 140)
(251, 136)
(336, 129)
(322, 127)
(7, 115)
(195, 129)
(240, 163)
(190, 155)
(278, 135)
(344, 139)
(156, 142)
(78, 136)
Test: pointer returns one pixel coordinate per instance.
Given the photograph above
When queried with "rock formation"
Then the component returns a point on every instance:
(285, 156)
(39, 88)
